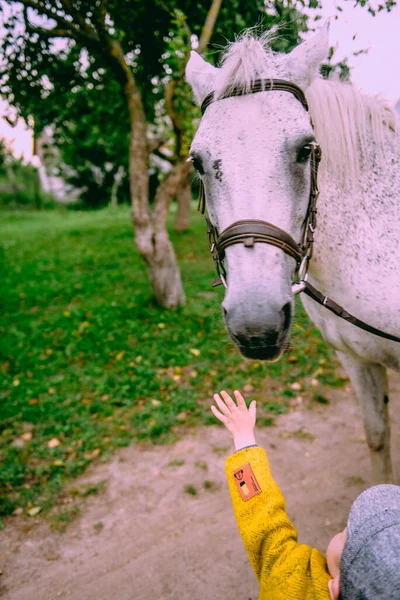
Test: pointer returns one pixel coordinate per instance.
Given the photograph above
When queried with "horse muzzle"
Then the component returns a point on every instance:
(263, 336)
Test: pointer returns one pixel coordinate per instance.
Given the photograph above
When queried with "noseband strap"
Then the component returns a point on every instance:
(251, 231)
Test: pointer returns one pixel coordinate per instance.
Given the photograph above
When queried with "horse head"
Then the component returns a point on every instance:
(252, 154)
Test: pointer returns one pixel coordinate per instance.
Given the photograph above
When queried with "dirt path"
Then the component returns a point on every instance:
(144, 538)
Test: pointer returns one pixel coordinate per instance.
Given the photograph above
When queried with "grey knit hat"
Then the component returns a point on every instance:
(370, 563)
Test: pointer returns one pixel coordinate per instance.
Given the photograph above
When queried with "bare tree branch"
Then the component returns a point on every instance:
(46, 33)
(154, 144)
(103, 11)
(63, 24)
(205, 36)
(50, 33)
(78, 18)
(10, 120)
(208, 26)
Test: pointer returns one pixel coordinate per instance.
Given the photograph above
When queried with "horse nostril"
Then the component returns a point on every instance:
(286, 314)
(225, 312)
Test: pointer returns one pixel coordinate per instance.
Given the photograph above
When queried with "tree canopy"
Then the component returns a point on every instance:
(55, 69)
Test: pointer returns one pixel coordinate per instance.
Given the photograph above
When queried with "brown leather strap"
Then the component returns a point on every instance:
(338, 310)
(259, 85)
(250, 231)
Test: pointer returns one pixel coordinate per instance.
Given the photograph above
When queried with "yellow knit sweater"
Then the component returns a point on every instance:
(285, 569)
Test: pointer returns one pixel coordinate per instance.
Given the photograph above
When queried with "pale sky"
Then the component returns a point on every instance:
(375, 72)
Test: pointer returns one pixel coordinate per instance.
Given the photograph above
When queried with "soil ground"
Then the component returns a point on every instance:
(143, 537)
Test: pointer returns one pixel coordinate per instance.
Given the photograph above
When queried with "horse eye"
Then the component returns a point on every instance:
(304, 153)
(198, 165)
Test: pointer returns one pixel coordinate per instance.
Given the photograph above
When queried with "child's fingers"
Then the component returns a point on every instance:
(253, 409)
(228, 400)
(239, 399)
(221, 405)
(217, 414)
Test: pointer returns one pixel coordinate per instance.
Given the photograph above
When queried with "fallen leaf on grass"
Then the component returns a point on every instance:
(318, 372)
(18, 443)
(53, 443)
(93, 454)
(194, 351)
(27, 436)
(58, 463)
(248, 388)
(35, 510)
(120, 355)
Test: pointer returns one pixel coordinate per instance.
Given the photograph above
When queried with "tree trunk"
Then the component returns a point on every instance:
(118, 177)
(13, 183)
(150, 227)
(184, 199)
(164, 272)
(37, 190)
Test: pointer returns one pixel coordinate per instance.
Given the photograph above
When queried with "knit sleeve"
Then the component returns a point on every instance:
(283, 567)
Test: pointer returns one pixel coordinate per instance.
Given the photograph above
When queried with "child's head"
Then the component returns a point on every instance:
(364, 559)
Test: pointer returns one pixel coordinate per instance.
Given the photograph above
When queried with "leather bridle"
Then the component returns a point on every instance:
(251, 231)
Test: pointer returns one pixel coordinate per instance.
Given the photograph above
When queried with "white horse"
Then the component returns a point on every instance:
(252, 155)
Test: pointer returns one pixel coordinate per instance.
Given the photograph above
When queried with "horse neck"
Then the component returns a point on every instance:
(359, 222)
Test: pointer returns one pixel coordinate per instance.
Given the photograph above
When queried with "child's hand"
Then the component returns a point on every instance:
(237, 418)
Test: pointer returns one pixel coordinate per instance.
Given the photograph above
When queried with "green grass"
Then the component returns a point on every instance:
(89, 363)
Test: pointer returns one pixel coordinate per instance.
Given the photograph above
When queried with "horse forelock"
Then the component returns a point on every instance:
(244, 61)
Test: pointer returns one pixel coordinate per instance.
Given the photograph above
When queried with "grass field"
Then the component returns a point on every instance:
(88, 362)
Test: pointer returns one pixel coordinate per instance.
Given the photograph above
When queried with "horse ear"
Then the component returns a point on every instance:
(200, 75)
(303, 63)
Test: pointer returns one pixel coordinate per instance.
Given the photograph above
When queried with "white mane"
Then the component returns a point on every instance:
(348, 124)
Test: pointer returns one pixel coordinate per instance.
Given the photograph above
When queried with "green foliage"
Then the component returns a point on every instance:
(73, 87)
(340, 69)
(374, 9)
(19, 183)
(89, 363)
(93, 139)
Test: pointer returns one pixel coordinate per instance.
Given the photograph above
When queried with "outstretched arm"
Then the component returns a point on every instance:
(284, 568)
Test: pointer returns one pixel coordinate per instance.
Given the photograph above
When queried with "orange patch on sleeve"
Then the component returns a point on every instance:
(246, 482)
